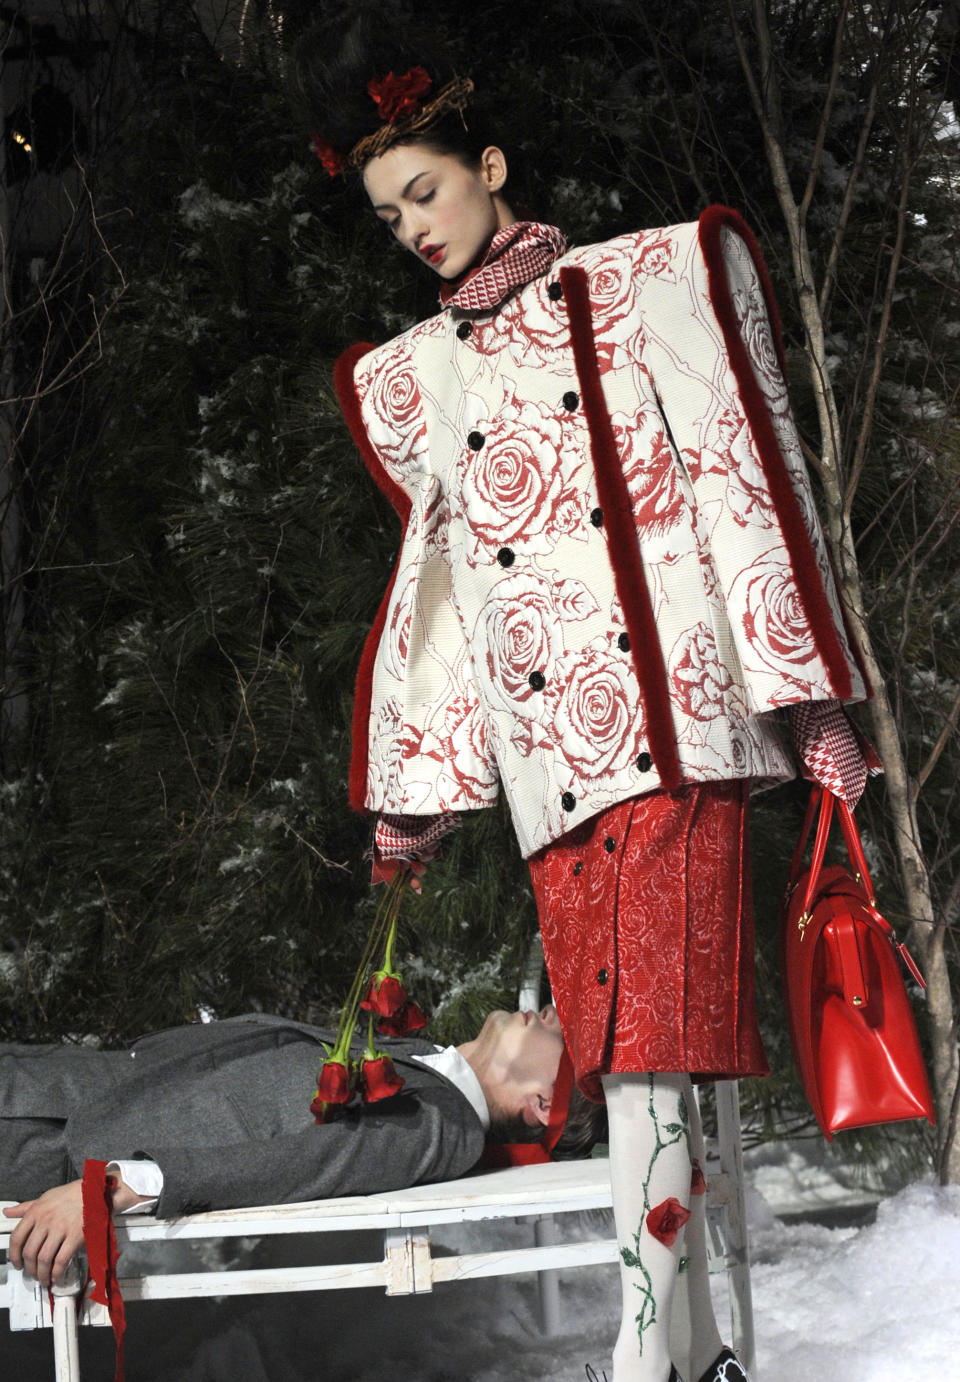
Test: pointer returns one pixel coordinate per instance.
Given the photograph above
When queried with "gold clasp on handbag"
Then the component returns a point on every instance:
(803, 921)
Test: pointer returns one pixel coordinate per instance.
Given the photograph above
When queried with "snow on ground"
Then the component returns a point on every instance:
(876, 1303)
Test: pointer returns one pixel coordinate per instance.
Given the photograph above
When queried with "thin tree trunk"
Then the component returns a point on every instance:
(927, 933)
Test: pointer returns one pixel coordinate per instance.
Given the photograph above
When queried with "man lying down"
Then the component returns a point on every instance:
(217, 1115)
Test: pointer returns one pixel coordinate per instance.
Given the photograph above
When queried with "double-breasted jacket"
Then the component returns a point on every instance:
(612, 568)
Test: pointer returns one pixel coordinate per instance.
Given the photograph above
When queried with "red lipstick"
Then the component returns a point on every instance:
(432, 253)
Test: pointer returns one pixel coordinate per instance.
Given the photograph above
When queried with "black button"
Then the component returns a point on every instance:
(475, 440)
(571, 401)
(554, 291)
(505, 556)
(578, 868)
(644, 762)
(568, 801)
(623, 643)
(601, 976)
(464, 330)
(609, 844)
(537, 680)
(596, 517)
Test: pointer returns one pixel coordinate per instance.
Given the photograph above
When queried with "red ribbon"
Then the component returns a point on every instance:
(100, 1241)
(499, 1155)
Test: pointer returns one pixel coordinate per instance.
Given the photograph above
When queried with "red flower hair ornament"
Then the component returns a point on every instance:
(333, 161)
(398, 96)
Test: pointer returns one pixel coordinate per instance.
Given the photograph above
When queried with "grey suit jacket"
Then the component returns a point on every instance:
(223, 1108)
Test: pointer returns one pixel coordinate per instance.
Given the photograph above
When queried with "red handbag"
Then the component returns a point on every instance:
(852, 1027)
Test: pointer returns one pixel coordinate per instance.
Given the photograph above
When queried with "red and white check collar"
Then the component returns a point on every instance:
(516, 254)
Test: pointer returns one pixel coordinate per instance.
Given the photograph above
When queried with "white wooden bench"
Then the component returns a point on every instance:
(405, 1218)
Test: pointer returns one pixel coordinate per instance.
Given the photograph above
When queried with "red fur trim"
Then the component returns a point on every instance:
(629, 575)
(344, 384)
(803, 560)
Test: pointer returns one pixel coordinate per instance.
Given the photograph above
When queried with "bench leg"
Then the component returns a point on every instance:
(738, 1248)
(66, 1301)
(548, 1282)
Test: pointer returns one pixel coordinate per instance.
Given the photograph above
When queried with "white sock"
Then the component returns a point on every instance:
(650, 1172)
(694, 1337)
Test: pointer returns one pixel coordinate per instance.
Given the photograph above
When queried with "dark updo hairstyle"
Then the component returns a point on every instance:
(336, 58)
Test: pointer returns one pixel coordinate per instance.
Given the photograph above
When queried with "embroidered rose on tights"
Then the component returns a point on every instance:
(393, 410)
(522, 488)
(521, 632)
(597, 713)
(699, 681)
(666, 1220)
(772, 617)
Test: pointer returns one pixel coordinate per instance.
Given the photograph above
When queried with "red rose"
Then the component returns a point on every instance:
(598, 714)
(378, 1079)
(397, 96)
(333, 162)
(385, 995)
(334, 1085)
(409, 1018)
(698, 1181)
(666, 1220)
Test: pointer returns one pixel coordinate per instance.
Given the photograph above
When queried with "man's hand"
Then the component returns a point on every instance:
(50, 1231)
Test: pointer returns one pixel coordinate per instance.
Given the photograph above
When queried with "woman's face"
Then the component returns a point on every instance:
(440, 209)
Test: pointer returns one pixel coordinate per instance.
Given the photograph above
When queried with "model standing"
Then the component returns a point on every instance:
(611, 594)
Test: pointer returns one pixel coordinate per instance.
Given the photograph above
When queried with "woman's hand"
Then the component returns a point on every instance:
(50, 1231)
(407, 844)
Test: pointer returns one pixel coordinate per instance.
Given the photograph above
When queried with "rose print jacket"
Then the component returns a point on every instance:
(612, 569)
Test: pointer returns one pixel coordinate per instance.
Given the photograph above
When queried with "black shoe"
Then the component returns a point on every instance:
(725, 1368)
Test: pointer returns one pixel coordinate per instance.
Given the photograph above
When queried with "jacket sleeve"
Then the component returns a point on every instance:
(714, 354)
(420, 742)
(430, 1134)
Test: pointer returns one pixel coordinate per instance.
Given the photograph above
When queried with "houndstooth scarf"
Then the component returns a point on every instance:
(517, 253)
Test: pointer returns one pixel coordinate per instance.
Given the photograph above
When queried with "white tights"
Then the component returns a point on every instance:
(655, 1137)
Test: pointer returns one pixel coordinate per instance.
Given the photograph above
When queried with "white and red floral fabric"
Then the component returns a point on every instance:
(502, 655)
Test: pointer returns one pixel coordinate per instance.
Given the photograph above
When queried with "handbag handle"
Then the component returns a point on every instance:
(825, 799)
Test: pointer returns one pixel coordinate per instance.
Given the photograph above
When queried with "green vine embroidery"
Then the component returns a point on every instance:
(648, 1306)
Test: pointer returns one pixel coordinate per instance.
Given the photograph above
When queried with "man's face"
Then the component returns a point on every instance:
(522, 1053)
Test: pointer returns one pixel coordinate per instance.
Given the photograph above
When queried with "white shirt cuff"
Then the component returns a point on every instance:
(143, 1178)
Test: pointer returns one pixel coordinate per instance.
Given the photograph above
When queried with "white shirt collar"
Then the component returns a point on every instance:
(448, 1062)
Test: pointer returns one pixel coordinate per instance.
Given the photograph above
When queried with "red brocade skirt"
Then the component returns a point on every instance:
(647, 924)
